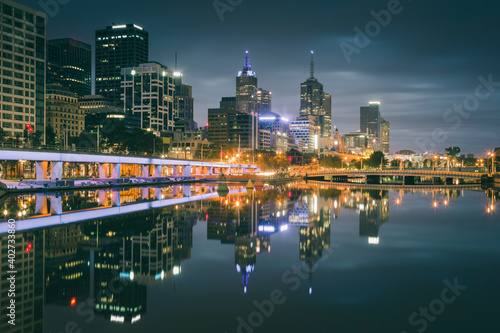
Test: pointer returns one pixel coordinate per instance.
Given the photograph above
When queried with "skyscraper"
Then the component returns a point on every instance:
(148, 90)
(385, 129)
(69, 63)
(23, 69)
(315, 102)
(263, 101)
(246, 97)
(183, 101)
(117, 47)
(370, 119)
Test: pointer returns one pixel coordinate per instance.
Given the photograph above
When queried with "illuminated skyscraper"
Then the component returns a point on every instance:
(315, 102)
(370, 119)
(246, 97)
(117, 47)
(385, 129)
(23, 69)
(69, 63)
(263, 101)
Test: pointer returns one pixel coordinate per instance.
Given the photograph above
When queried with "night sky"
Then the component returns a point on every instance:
(427, 59)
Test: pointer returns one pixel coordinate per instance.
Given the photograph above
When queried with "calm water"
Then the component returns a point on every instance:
(295, 258)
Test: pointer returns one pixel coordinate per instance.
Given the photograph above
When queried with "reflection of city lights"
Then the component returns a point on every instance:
(446, 202)
(177, 270)
(398, 201)
(373, 240)
(257, 249)
(284, 227)
(310, 290)
(435, 204)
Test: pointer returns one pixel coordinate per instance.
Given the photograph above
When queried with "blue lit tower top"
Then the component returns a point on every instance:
(312, 64)
(247, 68)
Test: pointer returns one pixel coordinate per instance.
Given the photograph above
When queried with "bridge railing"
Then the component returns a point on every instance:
(393, 172)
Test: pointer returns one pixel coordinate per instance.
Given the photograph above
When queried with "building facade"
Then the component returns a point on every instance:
(264, 101)
(148, 90)
(246, 98)
(117, 47)
(22, 69)
(69, 63)
(306, 133)
(183, 100)
(64, 114)
(370, 119)
(315, 102)
(385, 129)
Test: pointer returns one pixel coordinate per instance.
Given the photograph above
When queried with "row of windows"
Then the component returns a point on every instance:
(6, 107)
(19, 92)
(8, 47)
(9, 125)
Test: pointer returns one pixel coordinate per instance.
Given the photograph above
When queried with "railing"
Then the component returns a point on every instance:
(85, 150)
(398, 172)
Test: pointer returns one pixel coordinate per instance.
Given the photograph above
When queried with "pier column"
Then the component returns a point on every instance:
(103, 170)
(175, 170)
(158, 193)
(157, 171)
(56, 170)
(116, 170)
(187, 171)
(144, 170)
(186, 190)
(55, 205)
(41, 170)
(115, 196)
(41, 204)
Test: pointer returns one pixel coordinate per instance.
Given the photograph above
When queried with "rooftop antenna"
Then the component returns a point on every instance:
(312, 64)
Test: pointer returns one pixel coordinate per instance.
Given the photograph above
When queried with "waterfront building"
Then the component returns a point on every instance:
(64, 114)
(116, 47)
(22, 64)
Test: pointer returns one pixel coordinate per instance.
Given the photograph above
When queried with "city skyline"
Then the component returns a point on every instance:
(416, 78)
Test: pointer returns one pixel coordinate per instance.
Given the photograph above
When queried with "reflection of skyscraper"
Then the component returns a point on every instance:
(66, 265)
(374, 211)
(29, 284)
(245, 258)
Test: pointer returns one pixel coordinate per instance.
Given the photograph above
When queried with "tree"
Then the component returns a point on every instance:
(50, 136)
(330, 162)
(2, 135)
(376, 159)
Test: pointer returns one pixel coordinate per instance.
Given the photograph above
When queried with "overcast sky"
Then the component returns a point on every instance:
(425, 60)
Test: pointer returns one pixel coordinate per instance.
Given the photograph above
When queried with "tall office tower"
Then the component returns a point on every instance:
(23, 69)
(385, 129)
(326, 117)
(183, 100)
(69, 63)
(117, 47)
(263, 101)
(370, 119)
(306, 133)
(148, 90)
(246, 97)
(228, 103)
(315, 102)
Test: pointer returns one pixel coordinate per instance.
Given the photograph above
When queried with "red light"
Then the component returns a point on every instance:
(289, 194)
(206, 216)
(207, 124)
(221, 154)
(290, 158)
(28, 248)
(73, 301)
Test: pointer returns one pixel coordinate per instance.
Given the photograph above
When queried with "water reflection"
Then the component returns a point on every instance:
(104, 266)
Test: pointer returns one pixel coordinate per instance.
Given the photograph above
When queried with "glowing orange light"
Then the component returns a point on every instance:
(73, 301)
(29, 247)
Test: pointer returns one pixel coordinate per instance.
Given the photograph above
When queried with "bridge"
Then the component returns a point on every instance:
(375, 176)
(49, 209)
(55, 165)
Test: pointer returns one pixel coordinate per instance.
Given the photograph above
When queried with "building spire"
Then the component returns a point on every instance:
(312, 64)
(247, 67)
